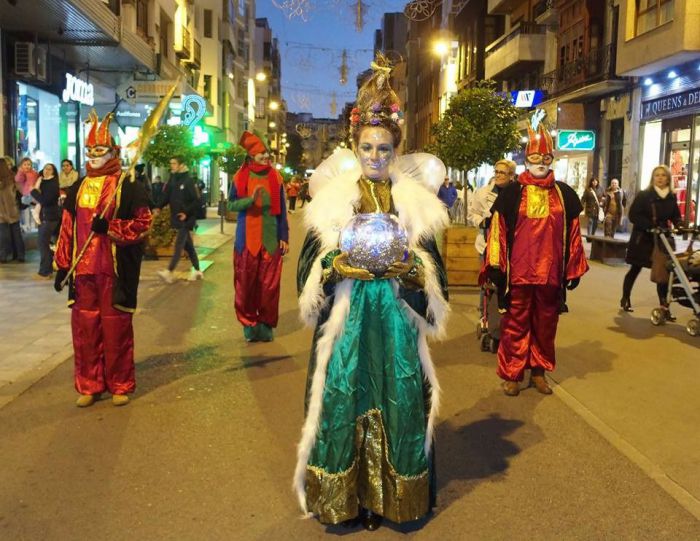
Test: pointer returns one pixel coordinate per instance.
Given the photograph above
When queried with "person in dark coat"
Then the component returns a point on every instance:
(46, 192)
(591, 201)
(182, 195)
(654, 207)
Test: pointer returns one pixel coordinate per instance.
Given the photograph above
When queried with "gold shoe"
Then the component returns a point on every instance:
(120, 400)
(85, 400)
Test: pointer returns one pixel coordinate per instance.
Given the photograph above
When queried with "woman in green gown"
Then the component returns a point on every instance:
(372, 395)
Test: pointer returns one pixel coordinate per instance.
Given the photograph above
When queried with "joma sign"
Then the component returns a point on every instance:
(78, 90)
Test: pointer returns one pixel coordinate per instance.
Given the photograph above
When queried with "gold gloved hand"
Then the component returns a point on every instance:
(342, 267)
(399, 268)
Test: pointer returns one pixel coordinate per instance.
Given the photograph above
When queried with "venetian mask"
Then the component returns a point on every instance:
(99, 155)
(539, 164)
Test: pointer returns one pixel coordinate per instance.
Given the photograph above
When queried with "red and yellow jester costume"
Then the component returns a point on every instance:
(534, 253)
(103, 289)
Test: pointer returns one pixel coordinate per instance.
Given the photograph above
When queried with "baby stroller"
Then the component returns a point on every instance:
(488, 330)
(684, 279)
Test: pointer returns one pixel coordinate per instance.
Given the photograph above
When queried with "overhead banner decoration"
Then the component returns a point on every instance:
(576, 140)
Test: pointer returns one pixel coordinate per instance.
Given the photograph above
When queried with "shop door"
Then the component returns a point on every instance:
(678, 135)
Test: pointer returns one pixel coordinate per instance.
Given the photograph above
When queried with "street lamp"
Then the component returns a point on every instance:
(274, 105)
(441, 47)
(260, 76)
(272, 124)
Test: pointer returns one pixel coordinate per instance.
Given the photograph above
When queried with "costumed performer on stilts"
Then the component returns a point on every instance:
(372, 283)
(262, 238)
(103, 287)
(533, 255)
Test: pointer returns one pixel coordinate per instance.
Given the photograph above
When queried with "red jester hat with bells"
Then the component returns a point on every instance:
(98, 143)
(539, 142)
(253, 145)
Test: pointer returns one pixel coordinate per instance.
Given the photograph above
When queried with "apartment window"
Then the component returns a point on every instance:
(241, 8)
(229, 12)
(260, 107)
(142, 17)
(207, 87)
(653, 13)
(208, 27)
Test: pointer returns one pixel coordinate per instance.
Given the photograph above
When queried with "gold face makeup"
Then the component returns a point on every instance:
(98, 155)
(375, 150)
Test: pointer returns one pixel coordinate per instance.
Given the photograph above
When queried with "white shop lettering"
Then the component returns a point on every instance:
(78, 90)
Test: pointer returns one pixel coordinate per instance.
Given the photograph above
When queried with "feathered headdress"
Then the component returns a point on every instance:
(377, 103)
(99, 135)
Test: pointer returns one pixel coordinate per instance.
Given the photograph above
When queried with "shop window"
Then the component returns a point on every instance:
(208, 23)
(652, 13)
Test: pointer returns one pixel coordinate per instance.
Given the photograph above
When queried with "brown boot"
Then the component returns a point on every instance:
(511, 388)
(538, 381)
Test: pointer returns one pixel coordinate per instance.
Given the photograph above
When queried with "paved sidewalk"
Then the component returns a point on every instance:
(35, 336)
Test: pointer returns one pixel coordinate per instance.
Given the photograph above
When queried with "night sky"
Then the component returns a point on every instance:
(309, 76)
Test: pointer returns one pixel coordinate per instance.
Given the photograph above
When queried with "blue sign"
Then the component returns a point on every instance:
(194, 107)
(526, 98)
(664, 105)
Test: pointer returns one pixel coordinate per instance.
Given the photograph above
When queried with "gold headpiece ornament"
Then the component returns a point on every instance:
(377, 103)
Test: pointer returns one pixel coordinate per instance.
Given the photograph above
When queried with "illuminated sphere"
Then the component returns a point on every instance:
(374, 241)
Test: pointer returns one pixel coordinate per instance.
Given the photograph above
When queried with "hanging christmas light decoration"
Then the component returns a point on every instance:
(334, 105)
(294, 8)
(344, 68)
(304, 130)
(360, 9)
(420, 10)
(302, 100)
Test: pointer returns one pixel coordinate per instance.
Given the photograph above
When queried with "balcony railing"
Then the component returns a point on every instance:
(186, 47)
(197, 58)
(598, 65)
(524, 28)
(542, 7)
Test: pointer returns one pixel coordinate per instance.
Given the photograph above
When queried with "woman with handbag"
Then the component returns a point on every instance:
(591, 205)
(654, 207)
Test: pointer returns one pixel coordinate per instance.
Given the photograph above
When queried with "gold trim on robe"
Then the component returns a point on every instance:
(370, 482)
(537, 201)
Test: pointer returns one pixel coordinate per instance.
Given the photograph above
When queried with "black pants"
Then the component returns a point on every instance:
(292, 202)
(11, 242)
(631, 276)
(184, 241)
(46, 230)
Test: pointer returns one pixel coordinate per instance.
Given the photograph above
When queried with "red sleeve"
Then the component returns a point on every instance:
(577, 265)
(63, 257)
(133, 230)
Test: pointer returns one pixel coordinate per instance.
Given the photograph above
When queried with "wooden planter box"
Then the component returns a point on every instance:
(462, 261)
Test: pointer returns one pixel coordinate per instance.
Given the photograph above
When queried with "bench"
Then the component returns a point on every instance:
(604, 249)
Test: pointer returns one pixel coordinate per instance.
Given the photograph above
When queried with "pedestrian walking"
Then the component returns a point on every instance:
(11, 241)
(304, 192)
(26, 178)
(656, 206)
(181, 194)
(593, 205)
(293, 188)
(46, 193)
(157, 190)
(533, 255)
(447, 193)
(262, 238)
(372, 395)
(68, 175)
(614, 203)
(103, 288)
(479, 211)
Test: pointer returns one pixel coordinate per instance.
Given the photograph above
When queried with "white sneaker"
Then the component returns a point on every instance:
(195, 275)
(168, 276)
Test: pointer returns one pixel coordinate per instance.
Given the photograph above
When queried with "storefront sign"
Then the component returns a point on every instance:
(194, 107)
(671, 104)
(526, 98)
(575, 140)
(78, 90)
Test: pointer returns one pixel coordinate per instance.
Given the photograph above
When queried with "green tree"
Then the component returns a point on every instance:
(231, 160)
(295, 152)
(172, 141)
(479, 126)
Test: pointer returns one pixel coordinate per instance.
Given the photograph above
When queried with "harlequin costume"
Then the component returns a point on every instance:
(372, 394)
(534, 250)
(103, 288)
(257, 256)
